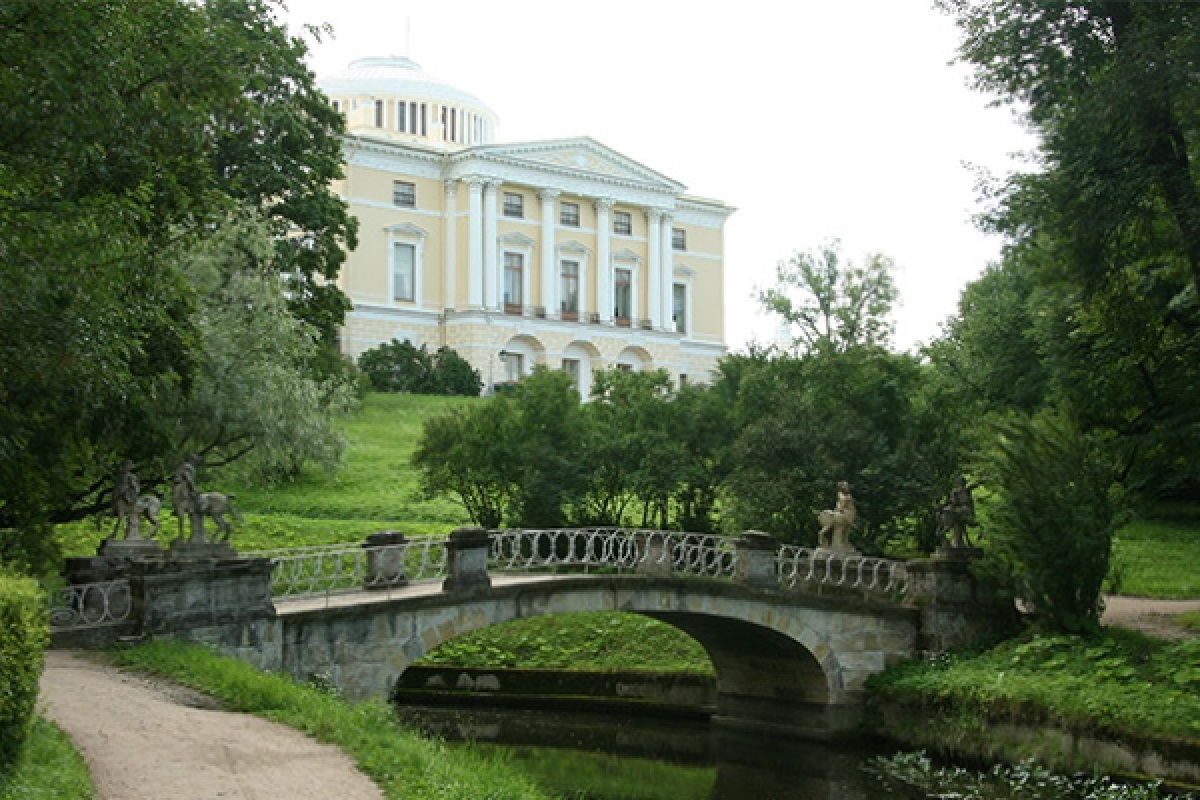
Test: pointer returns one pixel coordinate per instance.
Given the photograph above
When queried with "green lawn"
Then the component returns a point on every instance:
(1159, 558)
(47, 768)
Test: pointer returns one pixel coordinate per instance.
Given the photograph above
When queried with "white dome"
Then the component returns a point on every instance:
(398, 76)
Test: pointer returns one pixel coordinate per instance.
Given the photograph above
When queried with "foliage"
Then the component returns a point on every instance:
(1189, 620)
(47, 768)
(1158, 558)
(512, 458)
(593, 641)
(1098, 293)
(916, 771)
(1119, 683)
(400, 762)
(166, 116)
(23, 640)
(863, 415)
(397, 366)
(832, 305)
(1053, 518)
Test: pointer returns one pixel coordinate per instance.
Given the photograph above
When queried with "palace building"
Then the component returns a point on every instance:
(561, 252)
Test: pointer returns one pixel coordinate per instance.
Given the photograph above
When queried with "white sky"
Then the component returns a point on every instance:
(814, 118)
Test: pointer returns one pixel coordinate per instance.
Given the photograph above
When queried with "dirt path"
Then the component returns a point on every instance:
(1154, 617)
(148, 740)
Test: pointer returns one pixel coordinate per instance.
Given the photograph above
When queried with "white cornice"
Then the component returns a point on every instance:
(625, 254)
(519, 239)
(406, 229)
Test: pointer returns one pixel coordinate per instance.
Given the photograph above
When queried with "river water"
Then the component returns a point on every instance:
(611, 757)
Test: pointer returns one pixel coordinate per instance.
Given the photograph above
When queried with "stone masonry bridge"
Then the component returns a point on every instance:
(793, 633)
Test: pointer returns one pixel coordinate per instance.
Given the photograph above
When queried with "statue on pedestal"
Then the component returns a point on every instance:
(837, 522)
(958, 515)
(130, 506)
(194, 505)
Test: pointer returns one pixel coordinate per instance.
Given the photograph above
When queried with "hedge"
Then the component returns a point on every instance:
(24, 636)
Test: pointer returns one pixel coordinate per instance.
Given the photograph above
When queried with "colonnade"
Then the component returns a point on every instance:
(485, 265)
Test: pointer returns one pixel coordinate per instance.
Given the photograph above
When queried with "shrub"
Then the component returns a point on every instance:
(23, 639)
(397, 366)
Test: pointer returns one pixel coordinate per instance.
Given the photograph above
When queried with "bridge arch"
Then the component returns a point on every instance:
(782, 662)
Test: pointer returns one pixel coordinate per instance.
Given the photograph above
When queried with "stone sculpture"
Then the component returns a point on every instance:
(837, 522)
(195, 505)
(130, 506)
(958, 515)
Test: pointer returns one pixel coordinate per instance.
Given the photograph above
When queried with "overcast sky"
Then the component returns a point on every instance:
(814, 118)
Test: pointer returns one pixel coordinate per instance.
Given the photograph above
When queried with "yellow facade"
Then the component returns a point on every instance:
(563, 253)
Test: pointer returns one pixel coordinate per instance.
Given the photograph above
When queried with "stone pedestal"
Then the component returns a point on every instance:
(955, 609)
(467, 560)
(385, 560)
(225, 604)
(952, 553)
(656, 554)
(131, 549)
(755, 564)
(201, 551)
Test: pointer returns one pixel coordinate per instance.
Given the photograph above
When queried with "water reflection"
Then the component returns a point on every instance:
(608, 757)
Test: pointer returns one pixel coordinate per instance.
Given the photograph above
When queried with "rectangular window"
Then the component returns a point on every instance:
(679, 307)
(403, 272)
(682, 380)
(678, 239)
(512, 366)
(514, 205)
(402, 117)
(568, 214)
(337, 105)
(404, 194)
(424, 118)
(378, 113)
(514, 267)
(623, 296)
(571, 367)
(570, 290)
(622, 223)
(454, 124)
(445, 125)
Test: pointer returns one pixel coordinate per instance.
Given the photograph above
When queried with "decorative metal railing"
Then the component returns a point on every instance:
(611, 550)
(89, 605)
(800, 567)
(342, 568)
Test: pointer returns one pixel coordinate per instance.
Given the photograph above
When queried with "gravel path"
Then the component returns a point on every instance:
(1155, 617)
(148, 740)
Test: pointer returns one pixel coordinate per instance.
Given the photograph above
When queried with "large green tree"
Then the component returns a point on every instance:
(131, 130)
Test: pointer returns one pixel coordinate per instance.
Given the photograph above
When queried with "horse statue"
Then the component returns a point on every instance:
(837, 522)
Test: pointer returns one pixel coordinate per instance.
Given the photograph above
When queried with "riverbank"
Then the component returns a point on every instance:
(1121, 703)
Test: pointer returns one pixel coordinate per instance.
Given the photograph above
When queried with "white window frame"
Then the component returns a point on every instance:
(574, 251)
(634, 295)
(526, 254)
(409, 234)
(402, 116)
(684, 276)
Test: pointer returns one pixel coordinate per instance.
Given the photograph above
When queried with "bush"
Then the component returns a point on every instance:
(23, 639)
(1056, 508)
(397, 366)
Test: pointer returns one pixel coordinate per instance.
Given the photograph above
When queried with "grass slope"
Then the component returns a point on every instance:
(47, 768)
(1159, 558)
(1121, 684)
(404, 765)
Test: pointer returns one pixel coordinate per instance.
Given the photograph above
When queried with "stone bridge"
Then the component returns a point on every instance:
(793, 634)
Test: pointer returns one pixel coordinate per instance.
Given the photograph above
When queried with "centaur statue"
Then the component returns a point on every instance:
(195, 505)
(130, 506)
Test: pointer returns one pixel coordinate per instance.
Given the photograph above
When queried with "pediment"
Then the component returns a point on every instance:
(517, 239)
(625, 254)
(583, 155)
(574, 248)
(407, 229)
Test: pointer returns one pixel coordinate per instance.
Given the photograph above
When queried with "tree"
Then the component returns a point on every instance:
(1054, 517)
(831, 304)
(131, 132)
(397, 366)
(1110, 85)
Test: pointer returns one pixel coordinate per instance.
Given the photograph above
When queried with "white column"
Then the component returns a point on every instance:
(475, 244)
(549, 256)
(604, 273)
(450, 247)
(654, 276)
(667, 266)
(491, 265)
